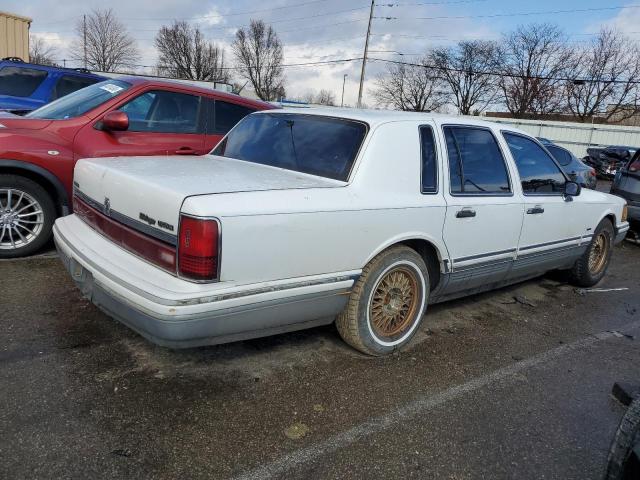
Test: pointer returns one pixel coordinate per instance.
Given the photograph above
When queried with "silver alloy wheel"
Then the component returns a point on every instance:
(21, 219)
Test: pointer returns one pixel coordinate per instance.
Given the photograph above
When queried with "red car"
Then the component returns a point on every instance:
(128, 116)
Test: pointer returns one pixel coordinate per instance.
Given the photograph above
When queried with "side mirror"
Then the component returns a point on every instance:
(115, 121)
(571, 189)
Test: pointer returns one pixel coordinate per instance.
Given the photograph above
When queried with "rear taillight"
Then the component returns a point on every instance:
(155, 251)
(198, 248)
(634, 166)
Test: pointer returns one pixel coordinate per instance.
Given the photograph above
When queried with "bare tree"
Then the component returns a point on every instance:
(410, 87)
(326, 97)
(108, 45)
(184, 53)
(605, 73)
(41, 52)
(309, 97)
(465, 68)
(533, 60)
(259, 54)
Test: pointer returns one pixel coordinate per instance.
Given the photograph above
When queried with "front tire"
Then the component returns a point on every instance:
(387, 302)
(27, 214)
(592, 265)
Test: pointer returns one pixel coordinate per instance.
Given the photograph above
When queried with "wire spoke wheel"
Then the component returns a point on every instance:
(599, 253)
(21, 218)
(394, 302)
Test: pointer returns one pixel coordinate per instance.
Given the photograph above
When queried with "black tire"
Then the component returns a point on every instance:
(44, 204)
(622, 463)
(381, 291)
(584, 273)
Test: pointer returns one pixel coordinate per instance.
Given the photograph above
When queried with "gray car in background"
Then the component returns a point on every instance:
(626, 184)
(575, 168)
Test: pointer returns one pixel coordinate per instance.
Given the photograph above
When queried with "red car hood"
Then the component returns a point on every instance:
(15, 122)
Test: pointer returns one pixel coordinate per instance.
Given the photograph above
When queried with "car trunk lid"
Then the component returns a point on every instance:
(147, 193)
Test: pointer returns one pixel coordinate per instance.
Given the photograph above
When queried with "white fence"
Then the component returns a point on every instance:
(576, 137)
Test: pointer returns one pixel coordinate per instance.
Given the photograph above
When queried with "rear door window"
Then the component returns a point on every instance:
(223, 116)
(164, 112)
(67, 84)
(476, 164)
(20, 81)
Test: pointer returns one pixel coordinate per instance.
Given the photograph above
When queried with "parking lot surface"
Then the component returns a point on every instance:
(509, 384)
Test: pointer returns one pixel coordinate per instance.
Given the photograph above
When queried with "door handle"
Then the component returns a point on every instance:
(186, 151)
(535, 211)
(466, 213)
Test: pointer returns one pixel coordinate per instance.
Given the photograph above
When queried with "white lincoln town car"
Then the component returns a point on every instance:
(301, 218)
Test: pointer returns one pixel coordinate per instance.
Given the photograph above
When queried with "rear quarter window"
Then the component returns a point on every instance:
(20, 81)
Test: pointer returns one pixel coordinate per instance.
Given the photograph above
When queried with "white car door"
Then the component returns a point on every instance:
(484, 213)
(553, 230)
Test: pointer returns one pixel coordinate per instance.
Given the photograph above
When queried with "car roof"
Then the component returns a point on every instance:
(134, 80)
(50, 68)
(379, 117)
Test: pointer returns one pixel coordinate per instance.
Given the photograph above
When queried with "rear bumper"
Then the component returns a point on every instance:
(182, 321)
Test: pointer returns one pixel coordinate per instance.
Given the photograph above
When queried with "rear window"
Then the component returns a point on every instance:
(19, 81)
(67, 84)
(316, 145)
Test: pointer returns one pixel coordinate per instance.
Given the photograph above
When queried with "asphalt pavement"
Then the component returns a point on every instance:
(510, 384)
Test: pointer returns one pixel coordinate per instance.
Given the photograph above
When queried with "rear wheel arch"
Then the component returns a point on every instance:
(44, 178)
(426, 249)
(431, 256)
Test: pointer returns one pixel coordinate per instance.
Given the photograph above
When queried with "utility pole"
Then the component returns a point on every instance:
(364, 57)
(84, 36)
(344, 79)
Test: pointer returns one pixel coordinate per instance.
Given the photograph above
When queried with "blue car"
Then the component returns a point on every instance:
(27, 86)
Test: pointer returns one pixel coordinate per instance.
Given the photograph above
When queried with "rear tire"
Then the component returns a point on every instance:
(593, 264)
(387, 302)
(27, 213)
(621, 464)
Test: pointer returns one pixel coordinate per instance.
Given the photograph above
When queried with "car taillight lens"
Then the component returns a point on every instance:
(155, 251)
(198, 248)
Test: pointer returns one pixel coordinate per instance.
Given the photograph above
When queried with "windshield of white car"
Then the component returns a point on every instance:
(323, 146)
(81, 101)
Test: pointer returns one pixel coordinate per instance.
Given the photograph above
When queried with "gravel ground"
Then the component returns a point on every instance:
(491, 387)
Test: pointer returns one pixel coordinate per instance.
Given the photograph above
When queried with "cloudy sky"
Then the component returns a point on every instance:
(323, 30)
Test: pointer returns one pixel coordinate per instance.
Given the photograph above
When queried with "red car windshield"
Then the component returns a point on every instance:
(81, 101)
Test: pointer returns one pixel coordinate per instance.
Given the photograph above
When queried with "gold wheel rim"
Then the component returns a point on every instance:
(598, 253)
(394, 302)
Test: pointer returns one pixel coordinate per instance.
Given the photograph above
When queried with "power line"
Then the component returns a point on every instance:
(222, 15)
(517, 14)
(454, 2)
(507, 75)
(286, 65)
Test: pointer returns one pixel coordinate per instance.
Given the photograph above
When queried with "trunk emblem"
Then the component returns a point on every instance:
(53, 152)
